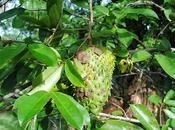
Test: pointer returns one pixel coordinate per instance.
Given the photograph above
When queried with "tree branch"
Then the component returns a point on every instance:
(104, 115)
(149, 3)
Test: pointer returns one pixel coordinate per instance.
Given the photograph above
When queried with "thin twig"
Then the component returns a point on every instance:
(104, 115)
(90, 21)
(149, 49)
(161, 32)
(149, 3)
(15, 94)
(3, 2)
(119, 107)
(50, 39)
(78, 15)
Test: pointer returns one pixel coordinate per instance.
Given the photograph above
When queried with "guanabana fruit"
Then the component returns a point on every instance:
(96, 67)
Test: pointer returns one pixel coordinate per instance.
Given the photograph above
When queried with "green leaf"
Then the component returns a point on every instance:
(170, 102)
(8, 121)
(18, 23)
(169, 113)
(73, 74)
(146, 118)
(167, 13)
(10, 52)
(10, 13)
(140, 55)
(54, 10)
(119, 125)
(167, 64)
(76, 115)
(155, 99)
(101, 10)
(141, 11)
(33, 4)
(169, 95)
(47, 79)
(30, 19)
(122, 52)
(125, 36)
(43, 54)
(28, 106)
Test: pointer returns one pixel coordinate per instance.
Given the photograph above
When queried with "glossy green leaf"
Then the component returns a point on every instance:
(169, 113)
(47, 79)
(119, 125)
(9, 122)
(44, 54)
(28, 106)
(170, 102)
(146, 118)
(169, 95)
(73, 74)
(9, 52)
(140, 55)
(155, 99)
(167, 64)
(76, 115)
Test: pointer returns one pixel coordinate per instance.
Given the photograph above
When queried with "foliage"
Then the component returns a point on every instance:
(39, 80)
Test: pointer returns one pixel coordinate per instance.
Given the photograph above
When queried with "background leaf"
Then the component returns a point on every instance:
(9, 52)
(8, 121)
(140, 55)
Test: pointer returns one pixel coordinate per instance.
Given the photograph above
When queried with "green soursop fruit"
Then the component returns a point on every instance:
(96, 66)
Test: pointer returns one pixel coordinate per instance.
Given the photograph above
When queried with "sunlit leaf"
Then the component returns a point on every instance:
(43, 54)
(73, 74)
(119, 125)
(76, 115)
(146, 118)
(140, 55)
(169, 113)
(169, 95)
(28, 106)
(167, 64)
(141, 11)
(47, 79)
(155, 99)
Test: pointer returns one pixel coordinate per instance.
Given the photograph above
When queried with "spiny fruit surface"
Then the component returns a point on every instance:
(96, 66)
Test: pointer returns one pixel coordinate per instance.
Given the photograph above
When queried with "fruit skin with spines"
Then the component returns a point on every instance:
(96, 65)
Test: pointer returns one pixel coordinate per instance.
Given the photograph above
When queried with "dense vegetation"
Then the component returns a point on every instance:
(87, 65)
